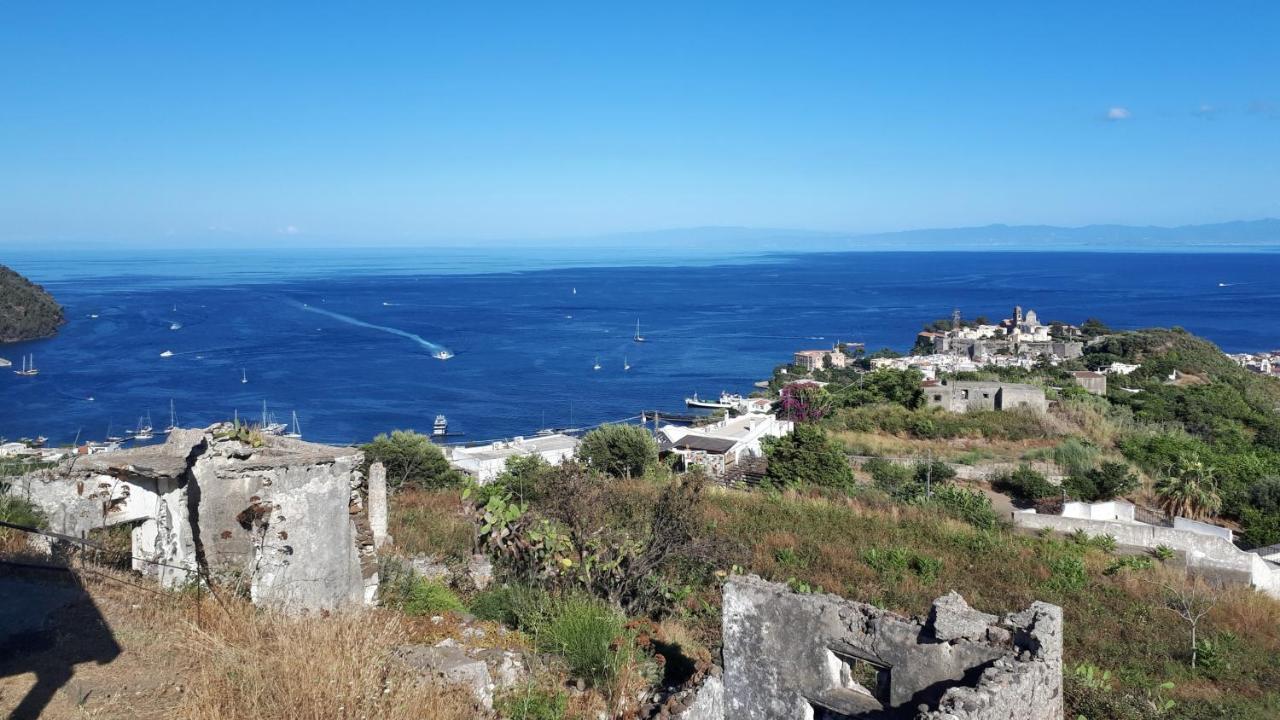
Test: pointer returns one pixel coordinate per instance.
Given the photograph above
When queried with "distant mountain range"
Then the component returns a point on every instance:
(1239, 236)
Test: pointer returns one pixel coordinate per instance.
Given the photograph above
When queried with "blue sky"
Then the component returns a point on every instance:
(387, 122)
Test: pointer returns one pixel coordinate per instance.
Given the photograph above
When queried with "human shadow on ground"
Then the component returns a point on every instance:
(48, 625)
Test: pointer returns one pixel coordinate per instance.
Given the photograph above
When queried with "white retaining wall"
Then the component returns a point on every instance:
(1210, 553)
(1182, 523)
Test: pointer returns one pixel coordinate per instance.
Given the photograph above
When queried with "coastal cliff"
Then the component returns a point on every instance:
(27, 311)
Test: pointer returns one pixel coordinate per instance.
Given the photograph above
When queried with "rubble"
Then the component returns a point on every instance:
(795, 655)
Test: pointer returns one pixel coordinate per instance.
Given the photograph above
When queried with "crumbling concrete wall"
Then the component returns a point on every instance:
(286, 522)
(793, 655)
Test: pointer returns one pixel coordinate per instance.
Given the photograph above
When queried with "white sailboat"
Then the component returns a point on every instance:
(296, 431)
(638, 337)
(173, 419)
(597, 365)
(269, 425)
(244, 378)
(28, 366)
(144, 431)
(626, 364)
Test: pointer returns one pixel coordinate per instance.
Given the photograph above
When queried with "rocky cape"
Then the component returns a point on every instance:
(27, 311)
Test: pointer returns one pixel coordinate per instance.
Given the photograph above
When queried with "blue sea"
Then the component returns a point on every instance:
(346, 337)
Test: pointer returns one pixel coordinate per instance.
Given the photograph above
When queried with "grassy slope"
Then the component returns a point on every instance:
(1113, 621)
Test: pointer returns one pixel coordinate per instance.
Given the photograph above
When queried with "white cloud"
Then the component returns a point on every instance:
(289, 230)
(1118, 113)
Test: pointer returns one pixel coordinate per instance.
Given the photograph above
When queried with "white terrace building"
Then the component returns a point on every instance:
(486, 462)
(723, 445)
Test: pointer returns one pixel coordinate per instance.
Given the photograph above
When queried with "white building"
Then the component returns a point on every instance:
(723, 445)
(486, 462)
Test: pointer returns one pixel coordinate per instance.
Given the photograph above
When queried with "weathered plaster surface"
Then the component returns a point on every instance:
(792, 655)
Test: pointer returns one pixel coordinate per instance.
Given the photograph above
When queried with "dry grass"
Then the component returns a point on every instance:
(225, 659)
(431, 522)
(952, 449)
(259, 664)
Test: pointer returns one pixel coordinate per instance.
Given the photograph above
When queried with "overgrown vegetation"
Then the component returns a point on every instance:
(411, 460)
(619, 450)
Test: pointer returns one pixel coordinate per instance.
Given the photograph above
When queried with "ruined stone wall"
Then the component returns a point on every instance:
(793, 655)
(285, 522)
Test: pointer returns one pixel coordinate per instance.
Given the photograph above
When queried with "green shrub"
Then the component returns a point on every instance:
(590, 636)
(893, 478)
(893, 564)
(429, 597)
(411, 459)
(1024, 484)
(532, 702)
(1066, 573)
(1129, 562)
(517, 606)
(1074, 456)
(18, 511)
(1108, 481)
(619, 450)
(1163, 553)
(935, 472)
(969, 505)
(807, 456)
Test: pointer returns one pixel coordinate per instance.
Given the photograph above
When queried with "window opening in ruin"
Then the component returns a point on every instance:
(862, 676)
(964, 394)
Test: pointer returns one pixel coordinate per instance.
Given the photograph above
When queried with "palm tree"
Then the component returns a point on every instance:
(1189, 490)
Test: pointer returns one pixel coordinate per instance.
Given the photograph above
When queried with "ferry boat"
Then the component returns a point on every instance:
(441, 427)
(167, 353)
(726, 401)
(442, 354)
(28, 366)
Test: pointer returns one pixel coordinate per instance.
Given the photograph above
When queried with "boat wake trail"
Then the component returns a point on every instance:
(438, 351)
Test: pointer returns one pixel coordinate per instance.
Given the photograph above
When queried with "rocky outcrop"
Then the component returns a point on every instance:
(285, 521)
(27, 311)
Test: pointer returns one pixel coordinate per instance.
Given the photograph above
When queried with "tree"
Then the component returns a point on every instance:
(1189, 490)
(1093, 327)
(1191, 602)
(1105, 482)
(619, 450)
(411, 459)
(807, 456)
(804, 401)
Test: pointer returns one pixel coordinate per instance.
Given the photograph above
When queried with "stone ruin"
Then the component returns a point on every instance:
(820, 657)
(287, 522)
